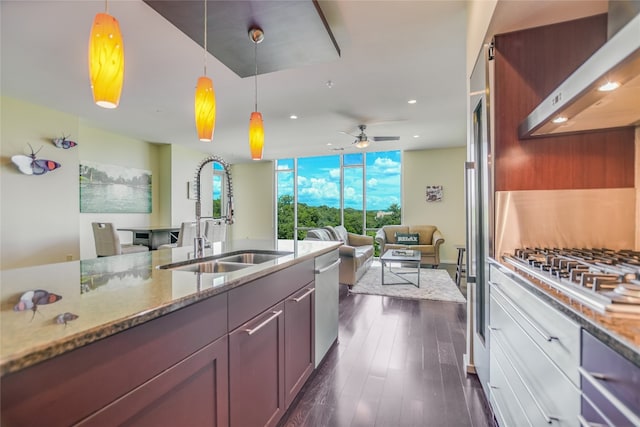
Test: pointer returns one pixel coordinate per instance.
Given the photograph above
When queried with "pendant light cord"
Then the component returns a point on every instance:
(106, 6)
(255, 43)
(205, 38)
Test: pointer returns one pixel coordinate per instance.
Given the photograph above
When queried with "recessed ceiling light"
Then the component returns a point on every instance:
(329, 84)
(328, 143)
(560, 119)
(293, 117)
(416, 136)
(609, 86)
(412, 101)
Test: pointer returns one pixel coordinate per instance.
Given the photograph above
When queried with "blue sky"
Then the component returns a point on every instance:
(319, 180)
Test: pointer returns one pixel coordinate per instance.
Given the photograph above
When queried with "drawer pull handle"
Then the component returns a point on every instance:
(621, 407)
(548, 418)
(585, 423)
(262, 325)
(493, 390)
(306, 294)
(327, 268)
(535, 327)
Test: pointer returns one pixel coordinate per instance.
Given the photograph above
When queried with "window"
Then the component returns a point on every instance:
(219, 190)
(359, 190)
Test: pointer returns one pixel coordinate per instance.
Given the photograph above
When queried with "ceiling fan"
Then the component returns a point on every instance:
(362, 140)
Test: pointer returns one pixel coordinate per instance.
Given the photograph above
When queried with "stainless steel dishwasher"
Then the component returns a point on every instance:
(326, 297)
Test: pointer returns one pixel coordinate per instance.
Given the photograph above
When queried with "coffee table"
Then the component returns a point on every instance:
(406, 257)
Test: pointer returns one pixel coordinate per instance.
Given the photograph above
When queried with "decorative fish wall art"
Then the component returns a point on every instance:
(64, 142)
(30, 300)
(30, 165)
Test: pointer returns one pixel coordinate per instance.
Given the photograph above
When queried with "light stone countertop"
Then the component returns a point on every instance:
(115, 293)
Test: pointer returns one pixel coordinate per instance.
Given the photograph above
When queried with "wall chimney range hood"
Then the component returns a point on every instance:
(577, 104)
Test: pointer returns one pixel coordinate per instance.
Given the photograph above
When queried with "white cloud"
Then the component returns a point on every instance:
(334, 173)
(372, 182)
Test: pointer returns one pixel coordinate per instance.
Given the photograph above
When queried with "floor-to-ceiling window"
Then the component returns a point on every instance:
(359, 190)
(285, 190)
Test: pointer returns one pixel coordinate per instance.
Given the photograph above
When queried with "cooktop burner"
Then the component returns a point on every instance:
(604, 279)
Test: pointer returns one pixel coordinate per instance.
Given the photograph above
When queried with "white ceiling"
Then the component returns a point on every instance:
(392, 51)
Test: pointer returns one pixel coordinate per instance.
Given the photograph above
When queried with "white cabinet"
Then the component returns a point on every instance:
(534, 358)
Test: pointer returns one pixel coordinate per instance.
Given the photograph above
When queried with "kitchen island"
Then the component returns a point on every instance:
(148, 341)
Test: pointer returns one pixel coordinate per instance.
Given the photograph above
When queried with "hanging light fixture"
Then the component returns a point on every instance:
(106, 60)
(205, 99)
(256, 126)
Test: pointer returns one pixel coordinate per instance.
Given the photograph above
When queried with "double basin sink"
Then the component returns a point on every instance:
(225, 263)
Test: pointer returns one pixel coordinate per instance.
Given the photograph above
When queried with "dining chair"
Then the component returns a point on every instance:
(215, 230)
(108, 242)
(185, 236)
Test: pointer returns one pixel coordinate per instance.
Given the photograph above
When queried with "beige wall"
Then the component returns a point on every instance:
(436, 167)
(254, 200)
(40, 219)
(39, 214)
(100, 146)
(183, 167)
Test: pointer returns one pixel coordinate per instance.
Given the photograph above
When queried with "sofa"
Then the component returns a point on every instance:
(356, 252)
(428, 241)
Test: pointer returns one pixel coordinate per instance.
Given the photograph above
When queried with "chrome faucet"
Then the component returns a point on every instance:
(198, 241)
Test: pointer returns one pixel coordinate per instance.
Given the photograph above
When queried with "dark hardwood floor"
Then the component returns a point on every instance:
(397, 363)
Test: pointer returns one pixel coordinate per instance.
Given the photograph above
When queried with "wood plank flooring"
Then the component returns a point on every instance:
(397, 363)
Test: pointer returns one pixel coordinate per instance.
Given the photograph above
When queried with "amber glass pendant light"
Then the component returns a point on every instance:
(205, 98)
(256, 126)
(106, 60)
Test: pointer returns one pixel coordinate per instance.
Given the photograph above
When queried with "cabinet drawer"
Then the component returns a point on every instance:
(544, 392)
(247, 301)
(609, 382)
(553, 332)
(506, 407)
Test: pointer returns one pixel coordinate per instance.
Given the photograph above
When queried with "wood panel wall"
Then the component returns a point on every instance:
(529, 64)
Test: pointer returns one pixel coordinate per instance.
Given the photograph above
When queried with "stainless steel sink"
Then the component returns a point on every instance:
(213, 267)
(224, 263)
(250, 257)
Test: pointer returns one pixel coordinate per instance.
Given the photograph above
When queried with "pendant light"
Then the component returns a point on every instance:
(205, 98)
(256, 126)
(106, 60)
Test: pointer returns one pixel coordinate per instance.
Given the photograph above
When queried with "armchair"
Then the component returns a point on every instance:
(429, 241)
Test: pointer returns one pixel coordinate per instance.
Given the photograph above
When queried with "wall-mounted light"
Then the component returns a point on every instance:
(106, 60)
(256, 125)
(560, 119)
(205, 97)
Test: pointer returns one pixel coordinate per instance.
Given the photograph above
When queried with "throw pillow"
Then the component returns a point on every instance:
(407, 238)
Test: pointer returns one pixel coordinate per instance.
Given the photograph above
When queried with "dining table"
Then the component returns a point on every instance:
(153, 236)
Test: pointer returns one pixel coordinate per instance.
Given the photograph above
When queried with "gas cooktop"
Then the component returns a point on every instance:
(605, 280)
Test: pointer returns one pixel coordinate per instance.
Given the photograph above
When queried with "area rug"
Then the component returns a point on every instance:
(434, 285)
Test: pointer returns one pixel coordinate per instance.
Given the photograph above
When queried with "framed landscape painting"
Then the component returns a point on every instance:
(114, 189)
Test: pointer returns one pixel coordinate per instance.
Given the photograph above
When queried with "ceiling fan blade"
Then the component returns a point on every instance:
(385, 138)
(347, 133)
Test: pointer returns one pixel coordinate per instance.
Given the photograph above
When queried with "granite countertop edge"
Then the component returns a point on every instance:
(64, 345)
(608, 337)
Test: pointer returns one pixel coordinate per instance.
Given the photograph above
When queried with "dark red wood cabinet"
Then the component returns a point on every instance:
(236, 359)
(256, 369)
(299, 342)
(194, 392)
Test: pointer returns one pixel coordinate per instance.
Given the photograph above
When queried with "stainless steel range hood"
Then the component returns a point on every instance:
(578, 99)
